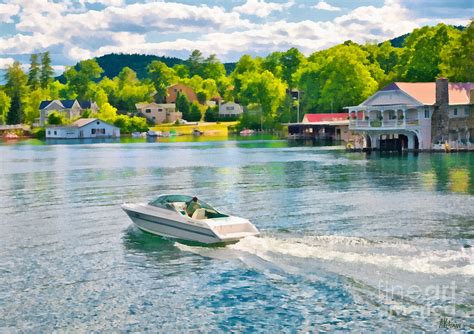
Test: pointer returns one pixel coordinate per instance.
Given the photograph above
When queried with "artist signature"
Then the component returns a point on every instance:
(450, 324)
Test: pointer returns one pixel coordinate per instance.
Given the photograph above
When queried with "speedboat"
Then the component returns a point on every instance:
(166, 216)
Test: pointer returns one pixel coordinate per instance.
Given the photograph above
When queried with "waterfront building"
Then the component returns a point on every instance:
(420, 115)
(159, 112)
(70, 109)
(83, 128)
(230, 109)
(334, 126)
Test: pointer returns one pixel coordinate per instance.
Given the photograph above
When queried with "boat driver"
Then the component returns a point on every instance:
(192, 206)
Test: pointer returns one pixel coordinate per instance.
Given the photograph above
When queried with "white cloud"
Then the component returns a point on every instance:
(323, 5)
(72, 33)
(5, 62)
(261, 8)
(7, 11)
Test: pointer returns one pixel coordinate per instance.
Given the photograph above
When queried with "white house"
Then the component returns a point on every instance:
(68, 108)
(415, 116)
(230, 109)
(83, 128)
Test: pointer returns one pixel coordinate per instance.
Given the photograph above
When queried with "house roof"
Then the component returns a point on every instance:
(85, 104)
(425, 92)
(44, 104)
(67, 104)
(315, 118)
(79, 123)
(84, 121)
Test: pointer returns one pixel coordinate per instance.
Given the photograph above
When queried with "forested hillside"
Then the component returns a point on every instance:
(328, 80)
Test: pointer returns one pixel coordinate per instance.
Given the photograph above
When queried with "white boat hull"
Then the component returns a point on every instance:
(170, 224)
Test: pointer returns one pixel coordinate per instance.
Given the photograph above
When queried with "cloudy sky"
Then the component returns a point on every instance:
(73, 30)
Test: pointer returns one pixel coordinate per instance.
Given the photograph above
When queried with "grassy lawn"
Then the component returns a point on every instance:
(218, 129)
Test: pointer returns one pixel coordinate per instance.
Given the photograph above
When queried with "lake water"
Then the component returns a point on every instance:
(349, 241)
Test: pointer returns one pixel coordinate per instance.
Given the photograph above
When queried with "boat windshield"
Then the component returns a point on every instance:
(164, 201)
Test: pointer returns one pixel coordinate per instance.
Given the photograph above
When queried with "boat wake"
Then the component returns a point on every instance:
(340, 254)
(408, 276)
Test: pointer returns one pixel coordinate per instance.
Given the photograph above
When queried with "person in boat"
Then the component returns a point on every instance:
(192, 206)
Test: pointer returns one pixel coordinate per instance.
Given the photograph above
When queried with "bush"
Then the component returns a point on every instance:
(39, 133)
(56, 118)
(211, 115)
(129, 124)
(194, 113)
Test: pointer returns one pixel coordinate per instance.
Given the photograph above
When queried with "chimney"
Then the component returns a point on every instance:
(442, 94)
(471, 96)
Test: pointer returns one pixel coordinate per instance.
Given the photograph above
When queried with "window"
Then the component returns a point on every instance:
(466, 111)
(93, 131)
(427, 113)
(153, 117)
(148, 111)
(103, 131)
(160, 109)
(229, 108)
(175, 90)
(55, 133)
(455, 111)
(49, 132)
(98, 122)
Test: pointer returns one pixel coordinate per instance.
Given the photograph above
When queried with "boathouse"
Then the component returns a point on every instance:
(420, 115)
(321, 126)
(83, 128)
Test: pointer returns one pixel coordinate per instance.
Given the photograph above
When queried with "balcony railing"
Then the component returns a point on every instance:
(389, 123)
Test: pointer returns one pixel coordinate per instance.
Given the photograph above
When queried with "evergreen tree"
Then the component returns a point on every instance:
(46, 70)
(34, 72)
(182, 105)
(15, 114)
(16, 88)
(194, 113)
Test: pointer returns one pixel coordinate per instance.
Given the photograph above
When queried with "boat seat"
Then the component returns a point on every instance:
(199, 214)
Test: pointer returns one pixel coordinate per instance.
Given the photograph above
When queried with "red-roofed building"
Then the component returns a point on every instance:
(321, 126)
(416, 115)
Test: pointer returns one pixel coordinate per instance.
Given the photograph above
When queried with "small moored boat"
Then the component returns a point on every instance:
(167, 216)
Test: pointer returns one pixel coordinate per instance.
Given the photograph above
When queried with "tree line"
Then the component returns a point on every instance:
(327, 80)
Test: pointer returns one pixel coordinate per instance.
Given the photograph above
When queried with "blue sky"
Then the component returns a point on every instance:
(73, 30)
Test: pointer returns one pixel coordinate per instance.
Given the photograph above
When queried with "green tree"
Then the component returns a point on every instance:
(81, 80)
(195, 62)
(194, 113)
(56, 118)
(34, 72)
(162, 76)
(211, 115)
(421, 57)
(201, 96)
(458, 58)
(16, 88)
(212, 68)
(290, 62)
(100, 97)
(47, 71)
(127, 76)
(107, 113)
(264, 90)
(181, 70)
(182, 105)
(5, 102)
(335, 78)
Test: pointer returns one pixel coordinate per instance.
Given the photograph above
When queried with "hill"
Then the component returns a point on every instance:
(113, 63)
